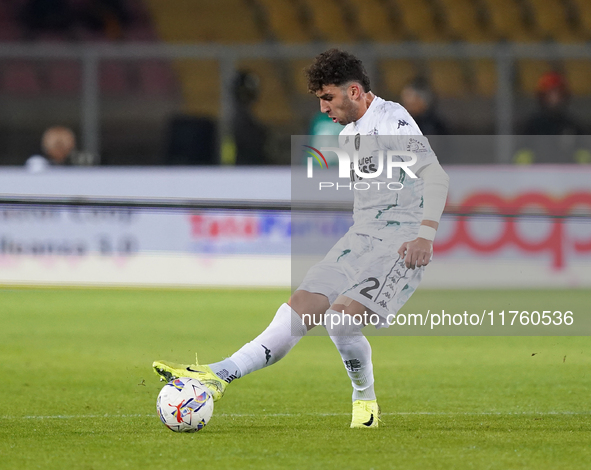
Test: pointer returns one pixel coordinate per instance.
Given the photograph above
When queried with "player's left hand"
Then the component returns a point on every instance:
(416, 253)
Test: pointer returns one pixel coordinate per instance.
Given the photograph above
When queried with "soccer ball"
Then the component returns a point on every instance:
(185, 405)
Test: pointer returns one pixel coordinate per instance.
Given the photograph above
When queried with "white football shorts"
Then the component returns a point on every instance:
(368, 269)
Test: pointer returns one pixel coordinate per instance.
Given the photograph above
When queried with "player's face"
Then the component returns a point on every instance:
(335, 102)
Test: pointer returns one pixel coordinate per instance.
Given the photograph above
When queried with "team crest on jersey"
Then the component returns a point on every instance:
(416, 146)
(357, 141)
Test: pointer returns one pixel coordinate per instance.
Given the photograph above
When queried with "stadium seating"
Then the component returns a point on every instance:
(284, 21)
(376, 21)
(156, 78)
(299, 79)
(193, 86)
(273, 105)
(301, 21)
(200, 82)
(114, 77)
(21, 77)
(582, 12)
(551, 21)
(578, 74)
(419, 20)
(462, 21)
(336, 29)
(484, 77)
(448, 77)
(507, 20)
(222, 21)
(395, 74)
(64, 77)
(528, 73)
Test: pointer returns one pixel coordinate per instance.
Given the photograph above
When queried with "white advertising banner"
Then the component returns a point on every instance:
(519, 249)
(127, 246)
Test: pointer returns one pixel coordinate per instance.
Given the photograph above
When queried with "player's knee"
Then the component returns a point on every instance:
(309, 306)
(308, 302)
(343, 329)
(348, 306)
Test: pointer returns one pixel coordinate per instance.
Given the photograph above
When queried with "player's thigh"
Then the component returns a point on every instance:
(310, 306)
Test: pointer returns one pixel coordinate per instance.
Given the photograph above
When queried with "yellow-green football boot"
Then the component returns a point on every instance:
(366, 414)
(168, 371)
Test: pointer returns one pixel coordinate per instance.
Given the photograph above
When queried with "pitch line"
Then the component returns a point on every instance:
(296, 415)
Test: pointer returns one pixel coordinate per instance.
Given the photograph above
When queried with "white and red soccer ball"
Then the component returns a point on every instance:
(185, 405)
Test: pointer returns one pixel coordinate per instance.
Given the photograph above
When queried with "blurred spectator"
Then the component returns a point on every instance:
(561, 144)
(250, 136)
(552, 117)
(192, 140)
(110, 17)
(58, 145)
(47, 16)
(419, 100)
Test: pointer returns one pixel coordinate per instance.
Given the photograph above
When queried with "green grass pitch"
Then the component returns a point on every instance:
(78, 391)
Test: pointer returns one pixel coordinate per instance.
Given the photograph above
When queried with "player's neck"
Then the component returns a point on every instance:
(365, 104)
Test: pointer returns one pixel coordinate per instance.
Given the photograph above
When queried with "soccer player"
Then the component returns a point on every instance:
(375, 267)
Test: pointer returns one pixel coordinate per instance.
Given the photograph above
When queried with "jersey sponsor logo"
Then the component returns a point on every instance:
(366, 165)
(401, 123)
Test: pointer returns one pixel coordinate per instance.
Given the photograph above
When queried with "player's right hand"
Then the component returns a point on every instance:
(416, 253)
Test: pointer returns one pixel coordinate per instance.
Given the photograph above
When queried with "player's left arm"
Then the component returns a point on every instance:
(417, 252)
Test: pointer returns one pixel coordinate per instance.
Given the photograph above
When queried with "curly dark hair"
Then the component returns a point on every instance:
(336, 67)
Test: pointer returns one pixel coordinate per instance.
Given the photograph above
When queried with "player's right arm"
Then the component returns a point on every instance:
(406, 135)
(417, 252)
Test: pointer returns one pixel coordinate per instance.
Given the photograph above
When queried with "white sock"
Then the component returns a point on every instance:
(355, 352)
(226, 370)
(282, 334)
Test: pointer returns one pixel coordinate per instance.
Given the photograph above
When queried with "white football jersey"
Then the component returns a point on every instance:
(386, 126)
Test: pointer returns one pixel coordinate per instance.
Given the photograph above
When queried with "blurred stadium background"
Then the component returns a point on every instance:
(173, 101)
(115, 70)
